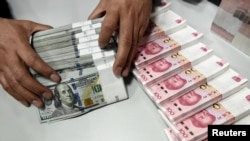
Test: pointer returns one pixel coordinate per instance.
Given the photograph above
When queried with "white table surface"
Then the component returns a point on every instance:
(135, 119)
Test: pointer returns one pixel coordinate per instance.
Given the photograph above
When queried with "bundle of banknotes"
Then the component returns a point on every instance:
(189, 84)
(85, 69)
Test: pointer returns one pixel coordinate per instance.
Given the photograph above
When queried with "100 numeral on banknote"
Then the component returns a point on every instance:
(73, 97)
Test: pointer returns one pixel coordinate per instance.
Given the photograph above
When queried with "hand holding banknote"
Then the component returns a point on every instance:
(130, 18)
(16, 56)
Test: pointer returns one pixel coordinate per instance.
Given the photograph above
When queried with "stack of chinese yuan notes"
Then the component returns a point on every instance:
(190, 85)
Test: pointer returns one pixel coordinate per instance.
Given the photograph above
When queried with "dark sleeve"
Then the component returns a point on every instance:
(216, 2)
(155, 3)
(5, 10)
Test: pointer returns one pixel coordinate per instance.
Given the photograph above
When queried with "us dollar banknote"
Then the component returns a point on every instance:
(79, 92)
(85, 70)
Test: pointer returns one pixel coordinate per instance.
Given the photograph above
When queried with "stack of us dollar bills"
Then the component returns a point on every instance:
(87, 79)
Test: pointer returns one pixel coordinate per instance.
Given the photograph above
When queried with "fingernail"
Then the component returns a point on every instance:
(118, 71)
(47, 95)
(55, 77)
(36, 103)
(24, 103)
(102, 45)
(125, 73)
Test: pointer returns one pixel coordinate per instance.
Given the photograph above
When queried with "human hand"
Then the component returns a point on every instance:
(130, 18)
(16, 57)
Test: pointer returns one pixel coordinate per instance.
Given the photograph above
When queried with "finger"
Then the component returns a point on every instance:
(138, 32)
(20, 74)
(31, 84)
(28, 55)
(133, 49)
(31, 58)
(30, 97)
(98, 12)
(39, 27)
(143, 28)
(14, 86)
(125, 43)
(109, 26)
(34, 27)
(33, 61)
(11, 91)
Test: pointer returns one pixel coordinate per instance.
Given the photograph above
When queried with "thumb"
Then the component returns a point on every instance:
(35, 27)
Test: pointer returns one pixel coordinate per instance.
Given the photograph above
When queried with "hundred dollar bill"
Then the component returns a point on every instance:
(73, 54)
(73, 64)
(67, 43)
(57, 32)
(113, 87)
(169, 21)
(75, 48)
(69, 66)
(76, 51)
(181, 83)
(56, 35)
(203, 96)
(186, 36)
(152, 32)
(66, 38)
(172, 64)
(69, 49)
(170, 134)
(101, 58)
(85, 70)
(69, 55)
(91, 88)
(62, 29)
(173, 137)
(166, 44)
(79, 62)
(195, 127)
(151, 51)
(83, 61)
(160, 6)
(77, 93)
